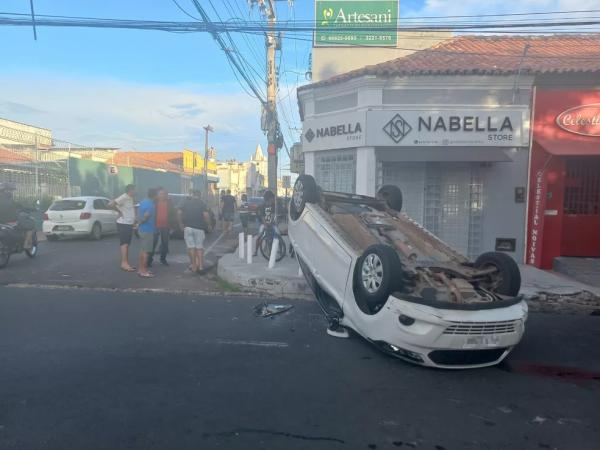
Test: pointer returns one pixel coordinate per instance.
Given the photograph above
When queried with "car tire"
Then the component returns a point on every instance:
(32, 252)
(96, 233)
(305, 191)
(375, 275)
(4, 256)
(510, 283)
(392, 195)
(52, 237)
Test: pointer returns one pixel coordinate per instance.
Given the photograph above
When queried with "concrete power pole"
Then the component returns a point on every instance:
(272, 122)
(207, 129)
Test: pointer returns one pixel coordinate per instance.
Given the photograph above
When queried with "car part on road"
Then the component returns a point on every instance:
(270, 309)
(305, 191)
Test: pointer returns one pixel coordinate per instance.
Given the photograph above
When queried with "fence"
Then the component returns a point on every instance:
(45, 174)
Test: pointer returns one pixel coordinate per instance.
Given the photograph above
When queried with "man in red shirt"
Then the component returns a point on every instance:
(165, 214)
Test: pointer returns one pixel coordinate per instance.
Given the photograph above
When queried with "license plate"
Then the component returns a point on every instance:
(64, 228)
(482, 341)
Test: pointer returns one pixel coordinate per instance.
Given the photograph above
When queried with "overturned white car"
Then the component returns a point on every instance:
(376, 271)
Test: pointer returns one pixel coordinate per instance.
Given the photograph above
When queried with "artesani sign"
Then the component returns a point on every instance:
(339, 23)
(583, 120)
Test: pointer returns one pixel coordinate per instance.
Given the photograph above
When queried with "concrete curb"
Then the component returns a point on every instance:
(281, 281)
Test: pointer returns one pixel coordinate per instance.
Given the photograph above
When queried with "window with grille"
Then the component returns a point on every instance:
(336, 170)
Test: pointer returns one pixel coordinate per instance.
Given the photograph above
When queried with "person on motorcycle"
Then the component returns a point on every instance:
(9, 212)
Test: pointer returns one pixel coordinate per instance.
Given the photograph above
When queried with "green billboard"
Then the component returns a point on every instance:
(362, 23)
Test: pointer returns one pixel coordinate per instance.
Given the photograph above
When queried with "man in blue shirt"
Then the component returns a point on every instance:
(146, 228)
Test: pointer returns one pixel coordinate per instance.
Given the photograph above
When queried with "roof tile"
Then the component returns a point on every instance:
(484, 55)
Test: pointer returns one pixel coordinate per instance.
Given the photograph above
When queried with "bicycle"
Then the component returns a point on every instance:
(265, 242)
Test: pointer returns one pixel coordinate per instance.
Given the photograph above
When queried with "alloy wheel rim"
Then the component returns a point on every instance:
(298, 194)
(372, 273)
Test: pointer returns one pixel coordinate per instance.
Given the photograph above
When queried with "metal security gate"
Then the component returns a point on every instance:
(581, 221)
(447, 198)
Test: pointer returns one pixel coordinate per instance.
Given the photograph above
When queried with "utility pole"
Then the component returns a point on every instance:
(272, 122)
(207, 129)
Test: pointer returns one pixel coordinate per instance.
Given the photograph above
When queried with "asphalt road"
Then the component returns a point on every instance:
(95, 264)
(97, 370)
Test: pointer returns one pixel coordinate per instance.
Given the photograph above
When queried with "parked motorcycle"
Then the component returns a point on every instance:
(12, 239)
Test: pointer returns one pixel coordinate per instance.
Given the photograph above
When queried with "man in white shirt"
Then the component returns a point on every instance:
(124, 205)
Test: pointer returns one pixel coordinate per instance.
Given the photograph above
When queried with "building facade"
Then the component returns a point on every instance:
(451, 126)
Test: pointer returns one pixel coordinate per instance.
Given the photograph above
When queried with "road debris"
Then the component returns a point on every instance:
(270, 309)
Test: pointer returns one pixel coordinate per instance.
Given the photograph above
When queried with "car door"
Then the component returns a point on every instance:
(111, 216)
(328, 260)
(100, 213)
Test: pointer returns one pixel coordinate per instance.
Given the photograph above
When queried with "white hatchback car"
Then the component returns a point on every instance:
(376, 271)
(80, 216)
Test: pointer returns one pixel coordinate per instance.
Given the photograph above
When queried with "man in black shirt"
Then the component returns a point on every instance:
(228, 205)
(266, 216)
(193, 220)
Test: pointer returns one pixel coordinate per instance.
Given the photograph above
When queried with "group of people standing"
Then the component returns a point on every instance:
(155, 218)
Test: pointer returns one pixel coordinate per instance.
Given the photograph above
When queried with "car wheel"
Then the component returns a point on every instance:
(4, 256)
(508, 281)
(305, 191)
(376, 275)
(392, 195)
(32, 252)
(52, 237)
(96, 233)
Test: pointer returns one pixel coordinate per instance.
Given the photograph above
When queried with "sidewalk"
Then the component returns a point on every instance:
(544, 290)
(283, 280)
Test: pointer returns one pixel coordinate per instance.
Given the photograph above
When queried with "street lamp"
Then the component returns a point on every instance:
(207, 129)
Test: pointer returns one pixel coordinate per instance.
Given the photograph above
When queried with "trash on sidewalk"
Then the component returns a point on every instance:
(270, 309)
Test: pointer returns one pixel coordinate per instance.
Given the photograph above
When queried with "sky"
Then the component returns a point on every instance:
(151, 90)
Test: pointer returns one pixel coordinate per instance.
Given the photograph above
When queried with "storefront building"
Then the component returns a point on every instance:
(451, 126)
(564, 198)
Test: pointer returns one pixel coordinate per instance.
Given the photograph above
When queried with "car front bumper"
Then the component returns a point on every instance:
(77, 228)
(451, 339)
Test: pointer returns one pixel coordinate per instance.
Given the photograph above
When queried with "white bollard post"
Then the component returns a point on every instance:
(249, 250)
(241, 245)
(273, 255)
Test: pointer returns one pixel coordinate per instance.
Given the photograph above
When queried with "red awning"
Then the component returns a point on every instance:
(568, 122)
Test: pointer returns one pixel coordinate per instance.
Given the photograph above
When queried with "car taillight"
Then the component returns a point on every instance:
(46, 216)
(85, 216)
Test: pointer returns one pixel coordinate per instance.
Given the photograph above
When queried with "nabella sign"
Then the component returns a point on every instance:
(356, 23)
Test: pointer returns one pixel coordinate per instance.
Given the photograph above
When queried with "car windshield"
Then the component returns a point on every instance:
(67, 205)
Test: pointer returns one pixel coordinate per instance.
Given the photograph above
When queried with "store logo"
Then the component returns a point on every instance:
(309, 135)
(352, 131)
(583, 120)
(327, 16)
(397, 128)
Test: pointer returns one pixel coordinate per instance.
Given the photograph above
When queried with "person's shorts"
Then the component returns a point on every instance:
(125, 233)
(244, 220)
(228, 216)
(147, 242)
(194, 238)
